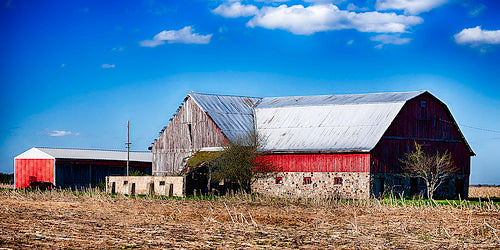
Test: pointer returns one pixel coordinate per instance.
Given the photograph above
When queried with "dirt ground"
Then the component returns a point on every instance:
(64, 220)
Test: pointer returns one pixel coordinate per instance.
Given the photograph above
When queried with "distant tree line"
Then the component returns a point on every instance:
(7, 178)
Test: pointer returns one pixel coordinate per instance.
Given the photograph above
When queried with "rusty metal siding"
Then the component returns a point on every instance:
(320, 162)
(178, 142)
(29, 170)
(429, 122)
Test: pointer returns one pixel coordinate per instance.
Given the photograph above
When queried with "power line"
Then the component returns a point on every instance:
(478, 128)
(483, 129)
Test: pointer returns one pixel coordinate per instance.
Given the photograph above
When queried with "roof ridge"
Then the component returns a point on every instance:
(192, 92)
(329, 104)
(89, 149)
(372, 93)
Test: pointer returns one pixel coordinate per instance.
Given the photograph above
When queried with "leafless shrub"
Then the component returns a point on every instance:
(433, 169)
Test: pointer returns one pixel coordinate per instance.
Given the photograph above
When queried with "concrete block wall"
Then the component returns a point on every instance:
(354, 185)
(146, 185)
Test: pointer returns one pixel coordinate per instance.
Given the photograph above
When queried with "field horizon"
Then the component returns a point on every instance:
(67, 219)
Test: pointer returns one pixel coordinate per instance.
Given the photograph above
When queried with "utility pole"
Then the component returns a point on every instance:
(128, 146)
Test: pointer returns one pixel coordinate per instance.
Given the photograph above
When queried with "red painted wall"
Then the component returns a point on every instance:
(320, 162)
(431, 125)
(29, 170)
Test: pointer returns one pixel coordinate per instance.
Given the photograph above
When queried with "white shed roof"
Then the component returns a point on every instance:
(232, 114)
(327, 122)
(84, 154)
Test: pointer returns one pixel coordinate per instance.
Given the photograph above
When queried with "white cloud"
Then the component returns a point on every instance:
(58, 133)
(353, 7)
(477, 36)
(389, 39)
(235, 9)
(412, 7)
(107, 66)
(324, 1)
(316, 18)
(477, 10)
(272, 1)
(184, 35)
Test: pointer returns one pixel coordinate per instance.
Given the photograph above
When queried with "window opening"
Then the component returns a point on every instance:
(337, 180)
(190, 133)
(307, 180)
(397, 182)
(279, 180)
(423, 104)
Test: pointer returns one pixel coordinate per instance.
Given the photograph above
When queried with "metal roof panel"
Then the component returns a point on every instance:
(320, 100)
(93, 154)
(349, 127)
(232, 114)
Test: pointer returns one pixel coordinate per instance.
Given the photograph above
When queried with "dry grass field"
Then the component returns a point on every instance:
(61, 219)
(484, 191)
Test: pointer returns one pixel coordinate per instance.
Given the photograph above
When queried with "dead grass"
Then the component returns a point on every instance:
(484, 191)
(6, 186)
(61, 219)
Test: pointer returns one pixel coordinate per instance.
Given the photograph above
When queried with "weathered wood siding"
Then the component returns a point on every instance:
(190, 130)
(427, 121)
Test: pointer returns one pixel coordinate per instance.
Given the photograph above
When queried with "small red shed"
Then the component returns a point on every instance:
(75, 168)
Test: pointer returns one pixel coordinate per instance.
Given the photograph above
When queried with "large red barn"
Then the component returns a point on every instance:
(328, 145)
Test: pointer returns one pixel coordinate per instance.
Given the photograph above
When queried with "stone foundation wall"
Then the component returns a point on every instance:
(146, 185)
(400, 185)
(354, 185)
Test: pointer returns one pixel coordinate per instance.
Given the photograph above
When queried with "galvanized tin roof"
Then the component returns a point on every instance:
(323, 123)
(232, 114)
(319, 100)
(84, 154)
(327, 122)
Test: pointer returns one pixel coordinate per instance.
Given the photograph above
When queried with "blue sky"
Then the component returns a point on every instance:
(73, 72)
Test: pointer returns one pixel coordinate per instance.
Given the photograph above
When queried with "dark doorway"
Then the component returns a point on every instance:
(379, 187)
(151, 188)
(197, 183)
(171, 190)
(113, 187)
(413, 186)
(132, 189)
(459, 188)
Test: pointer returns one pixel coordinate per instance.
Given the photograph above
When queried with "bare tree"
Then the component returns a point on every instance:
(433, 169)
(241, 162)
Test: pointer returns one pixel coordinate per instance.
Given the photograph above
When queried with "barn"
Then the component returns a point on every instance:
(75, 168)
(328, 145)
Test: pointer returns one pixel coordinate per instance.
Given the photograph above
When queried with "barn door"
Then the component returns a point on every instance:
(413, 186)
(379, 187)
